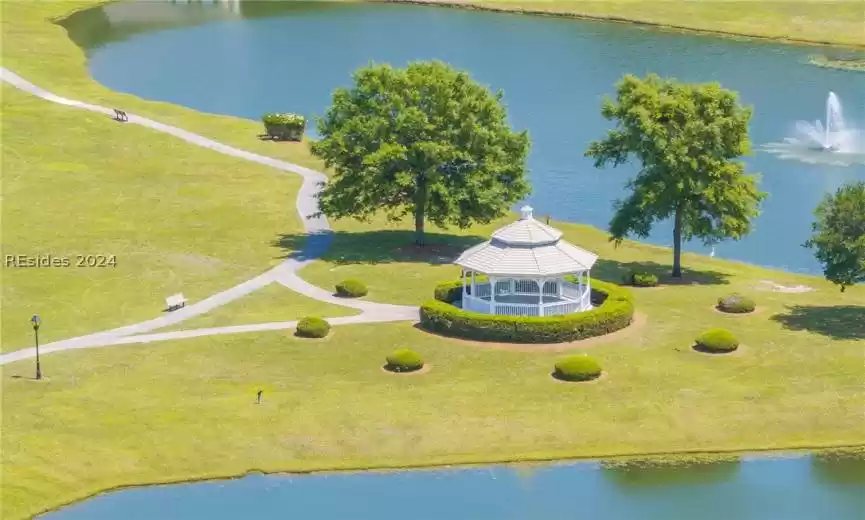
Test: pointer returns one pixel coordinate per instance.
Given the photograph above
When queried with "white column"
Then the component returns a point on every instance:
(474, 289)
(540, 283)
(588, 289)
(559, 286)
(492, 295)
(464, 287)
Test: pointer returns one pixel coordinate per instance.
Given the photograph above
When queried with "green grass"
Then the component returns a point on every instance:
(169, 212)
(173, 215)
(814, 21)
(38, 49)
(183, 410)
(270, 303)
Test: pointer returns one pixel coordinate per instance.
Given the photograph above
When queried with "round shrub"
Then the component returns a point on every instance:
(613, 310)
(313, 327)
(351, 289)
(404, 360)
(736, 304)
(577, 368)
(641, 279)
(717, 341)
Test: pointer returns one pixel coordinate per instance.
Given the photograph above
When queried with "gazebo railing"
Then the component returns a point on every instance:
(575, 300)
(571, 291)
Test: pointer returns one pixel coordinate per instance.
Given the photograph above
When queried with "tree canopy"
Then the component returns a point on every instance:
(685, 138)
(839, 235)
(426, 140)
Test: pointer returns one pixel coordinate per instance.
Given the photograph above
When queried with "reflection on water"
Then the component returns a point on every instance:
(753, 489)
(647, 476)
(840, 470)
(248, 58)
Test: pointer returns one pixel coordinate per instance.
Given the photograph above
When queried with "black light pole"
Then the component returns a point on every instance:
(36, 321)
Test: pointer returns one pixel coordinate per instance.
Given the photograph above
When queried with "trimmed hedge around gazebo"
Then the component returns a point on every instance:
(614, 310)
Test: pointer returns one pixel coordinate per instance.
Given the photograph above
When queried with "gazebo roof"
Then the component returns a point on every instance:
(526, 248)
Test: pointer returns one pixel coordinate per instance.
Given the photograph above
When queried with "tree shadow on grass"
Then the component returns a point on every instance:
(614, 272)
(838, 322)
(378, 247)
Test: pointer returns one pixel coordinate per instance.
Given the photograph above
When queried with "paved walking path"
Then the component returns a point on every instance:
(318, 239)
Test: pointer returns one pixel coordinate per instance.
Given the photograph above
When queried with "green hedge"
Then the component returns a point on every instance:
(404, 360)
(351, 289)
(717, 341)
(312, 327)
(614, 311)
(736, 304)
(577, 368)
(289, 127)
(450, 292)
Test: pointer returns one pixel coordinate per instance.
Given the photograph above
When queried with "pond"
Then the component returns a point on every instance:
(753, 489)
(249, 58)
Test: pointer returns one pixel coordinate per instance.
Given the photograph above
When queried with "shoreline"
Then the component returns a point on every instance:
(460, 463)
(469, 5)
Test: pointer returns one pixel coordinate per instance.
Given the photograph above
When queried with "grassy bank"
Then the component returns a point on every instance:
(800, 21)
(77, 183)
(183, 410)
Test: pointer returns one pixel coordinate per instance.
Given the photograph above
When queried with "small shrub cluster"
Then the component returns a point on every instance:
(404, 360)
(736, 304)
(287, 127)
(614, 311)
(312, 327)
(641, 279)
(351, 289)
(577, 368)
(717, 341)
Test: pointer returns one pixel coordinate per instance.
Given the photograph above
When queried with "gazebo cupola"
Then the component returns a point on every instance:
(525, 264)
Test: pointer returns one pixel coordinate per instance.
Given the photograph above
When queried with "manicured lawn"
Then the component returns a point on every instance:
(373, 252)
(838, 22)
(176, 217)
(40, 51)
(268, 304)
(180, 410)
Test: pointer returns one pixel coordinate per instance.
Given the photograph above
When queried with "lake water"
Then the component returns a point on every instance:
(755, 489)
(249, 58)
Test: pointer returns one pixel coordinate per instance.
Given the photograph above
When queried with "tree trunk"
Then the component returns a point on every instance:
(420, 211)
(677, 244)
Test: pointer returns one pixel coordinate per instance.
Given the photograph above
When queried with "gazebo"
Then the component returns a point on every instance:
(525, 264)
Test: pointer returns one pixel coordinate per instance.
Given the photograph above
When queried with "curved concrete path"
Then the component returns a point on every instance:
(317, 242)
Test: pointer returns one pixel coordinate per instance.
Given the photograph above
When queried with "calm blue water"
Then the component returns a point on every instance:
(758, 489)
(250, 58)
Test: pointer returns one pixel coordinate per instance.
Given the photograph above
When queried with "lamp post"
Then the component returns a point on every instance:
(36, 321)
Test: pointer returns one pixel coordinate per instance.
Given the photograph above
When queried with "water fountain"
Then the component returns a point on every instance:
(845, 143)
(834, 137)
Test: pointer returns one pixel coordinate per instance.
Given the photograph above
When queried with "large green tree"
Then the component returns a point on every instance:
(839, 235)
(426, 140)
(685, 138)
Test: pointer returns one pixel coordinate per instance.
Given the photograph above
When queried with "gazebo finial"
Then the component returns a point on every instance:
(527, 212)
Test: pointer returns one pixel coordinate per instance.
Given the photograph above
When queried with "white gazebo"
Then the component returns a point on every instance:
(526, 263)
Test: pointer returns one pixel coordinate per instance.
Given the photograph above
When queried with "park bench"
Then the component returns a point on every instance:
(120, 115)
(175, 301)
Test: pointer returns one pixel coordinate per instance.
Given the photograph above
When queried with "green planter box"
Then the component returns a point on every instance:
(284, 127)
